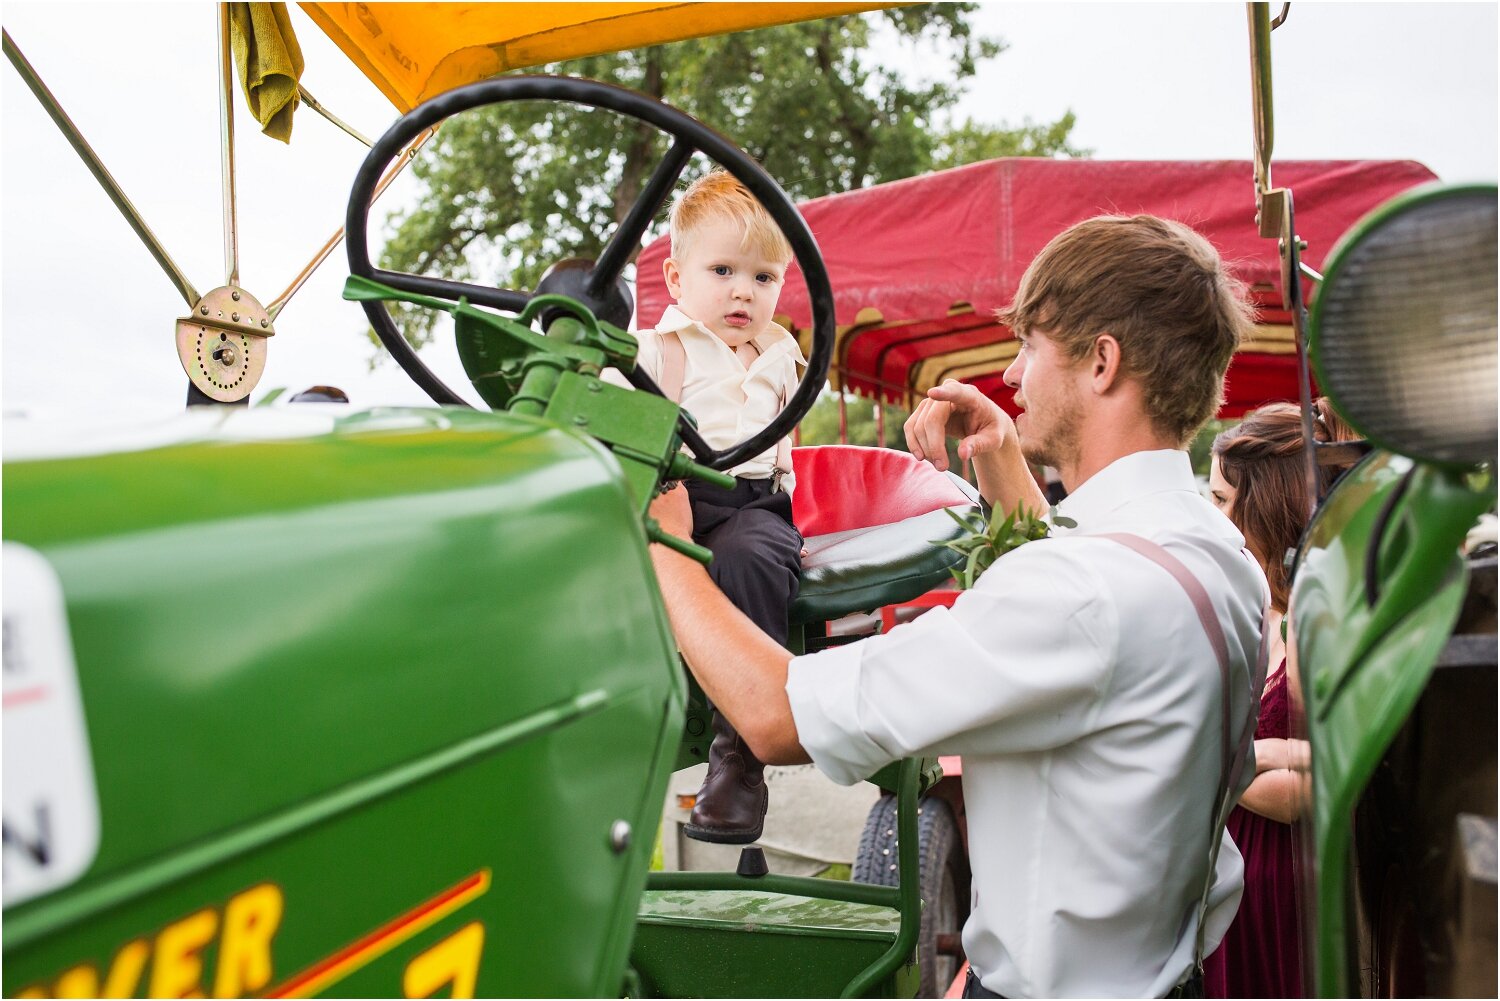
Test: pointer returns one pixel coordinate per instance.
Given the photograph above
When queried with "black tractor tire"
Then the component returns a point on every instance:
(944, 882)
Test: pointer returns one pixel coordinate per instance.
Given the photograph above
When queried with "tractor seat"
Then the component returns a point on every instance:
(873, 524)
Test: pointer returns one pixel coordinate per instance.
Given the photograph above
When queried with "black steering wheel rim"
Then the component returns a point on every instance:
(690, 135)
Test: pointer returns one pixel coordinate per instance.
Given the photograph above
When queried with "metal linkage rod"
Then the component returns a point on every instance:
(101, 173)
(313, 103)
(1260, 96)
(409, 154)
(226, 149)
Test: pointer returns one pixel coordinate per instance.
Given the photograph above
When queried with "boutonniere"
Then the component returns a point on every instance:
(987, 541)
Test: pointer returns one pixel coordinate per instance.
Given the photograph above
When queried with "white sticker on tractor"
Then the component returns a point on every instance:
(50, 804)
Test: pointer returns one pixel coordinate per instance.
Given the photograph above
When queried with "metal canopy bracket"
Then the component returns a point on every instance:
(234, 346)
(1271, 212)
(222, 343)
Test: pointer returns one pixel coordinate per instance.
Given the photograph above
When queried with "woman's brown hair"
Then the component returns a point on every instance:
(1262, 458)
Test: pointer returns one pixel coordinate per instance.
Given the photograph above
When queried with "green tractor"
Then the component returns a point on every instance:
(415, 737)
(384, 702)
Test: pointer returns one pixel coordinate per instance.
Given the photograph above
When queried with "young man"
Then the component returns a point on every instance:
(1077, 679)
(719, 354)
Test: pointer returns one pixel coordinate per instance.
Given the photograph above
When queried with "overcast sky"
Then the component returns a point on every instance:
(87, 319)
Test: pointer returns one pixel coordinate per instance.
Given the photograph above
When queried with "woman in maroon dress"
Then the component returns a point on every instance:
(1258, 480)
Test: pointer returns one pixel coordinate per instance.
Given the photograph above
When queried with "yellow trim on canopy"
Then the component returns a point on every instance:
(415, 51)
(1267, 339)
(1270, 339)
(964, 363)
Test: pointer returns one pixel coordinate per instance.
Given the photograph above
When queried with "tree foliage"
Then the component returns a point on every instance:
(973, 141)
(821, 425)
(508, 190)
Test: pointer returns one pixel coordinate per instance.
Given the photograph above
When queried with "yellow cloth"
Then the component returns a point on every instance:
(269, 62)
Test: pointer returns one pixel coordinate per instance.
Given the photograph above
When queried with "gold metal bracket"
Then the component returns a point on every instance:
(1271, 213)
(222, 343)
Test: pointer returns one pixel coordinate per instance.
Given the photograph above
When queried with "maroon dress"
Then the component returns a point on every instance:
(1261, 955)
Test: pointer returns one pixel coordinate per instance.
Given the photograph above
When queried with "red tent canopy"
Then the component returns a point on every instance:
(919, 266)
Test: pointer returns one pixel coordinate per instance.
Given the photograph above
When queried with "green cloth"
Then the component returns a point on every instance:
(269, 62)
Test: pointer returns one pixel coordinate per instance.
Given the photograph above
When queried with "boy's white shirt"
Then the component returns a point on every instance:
(729, 401)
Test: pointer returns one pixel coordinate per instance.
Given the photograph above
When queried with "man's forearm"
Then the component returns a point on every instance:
(742, 670)
(1005, 481)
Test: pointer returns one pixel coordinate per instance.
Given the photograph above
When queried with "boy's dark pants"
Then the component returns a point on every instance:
(757, 558)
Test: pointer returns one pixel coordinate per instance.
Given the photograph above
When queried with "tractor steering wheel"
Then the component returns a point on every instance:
(598, 285)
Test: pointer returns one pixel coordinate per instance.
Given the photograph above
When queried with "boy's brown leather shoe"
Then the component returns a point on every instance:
(731, 806)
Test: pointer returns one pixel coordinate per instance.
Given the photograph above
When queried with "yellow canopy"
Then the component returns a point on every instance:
(415, 51)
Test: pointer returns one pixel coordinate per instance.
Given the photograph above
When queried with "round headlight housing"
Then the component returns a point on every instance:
(1402, 334)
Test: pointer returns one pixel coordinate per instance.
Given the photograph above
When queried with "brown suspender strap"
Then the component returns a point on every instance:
(783, 452)
(673, 366)
(1231, 764)
(1207, 617)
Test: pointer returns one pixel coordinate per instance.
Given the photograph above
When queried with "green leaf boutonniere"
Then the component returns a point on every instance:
(986, 542)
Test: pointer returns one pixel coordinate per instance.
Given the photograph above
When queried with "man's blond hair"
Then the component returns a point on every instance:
(719, 196)
(1164, 294)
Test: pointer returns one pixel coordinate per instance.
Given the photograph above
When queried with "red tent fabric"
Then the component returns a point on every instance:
(918, 266)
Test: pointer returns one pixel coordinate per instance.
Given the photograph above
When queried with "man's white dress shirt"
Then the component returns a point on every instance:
(729, 401)
(1077, 682)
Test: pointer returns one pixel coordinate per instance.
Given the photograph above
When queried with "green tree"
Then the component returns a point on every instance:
(821, 425)
(1201, 449)
(508, 190)
(973, 141)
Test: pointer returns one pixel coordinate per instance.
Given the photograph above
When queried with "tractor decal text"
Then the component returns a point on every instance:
(175, 955)
(170, 963)
(454, 960)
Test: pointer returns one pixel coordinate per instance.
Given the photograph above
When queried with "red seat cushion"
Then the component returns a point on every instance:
(841, 487)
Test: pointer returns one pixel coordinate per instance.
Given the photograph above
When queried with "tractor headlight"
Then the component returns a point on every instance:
(1403, 332)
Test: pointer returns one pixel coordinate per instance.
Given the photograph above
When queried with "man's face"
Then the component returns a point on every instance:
(1048, 389)
(729, 289)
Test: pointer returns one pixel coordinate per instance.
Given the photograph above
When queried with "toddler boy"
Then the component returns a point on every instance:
(718, 354)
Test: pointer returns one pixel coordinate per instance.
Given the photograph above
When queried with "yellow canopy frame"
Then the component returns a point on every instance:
(415, 51)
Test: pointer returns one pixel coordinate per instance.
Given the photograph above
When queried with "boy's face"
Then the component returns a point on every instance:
(729, 289)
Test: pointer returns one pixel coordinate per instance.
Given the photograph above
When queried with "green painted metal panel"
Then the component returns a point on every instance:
(747, 943)
(754, 911)
(361, 659)
(726, 935)
(542, 836)
(1377, 590)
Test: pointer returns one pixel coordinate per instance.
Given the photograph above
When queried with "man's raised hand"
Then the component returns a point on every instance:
(956, 410)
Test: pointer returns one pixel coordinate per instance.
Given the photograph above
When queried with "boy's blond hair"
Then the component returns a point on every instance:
(718, 195)
(1161, 289)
